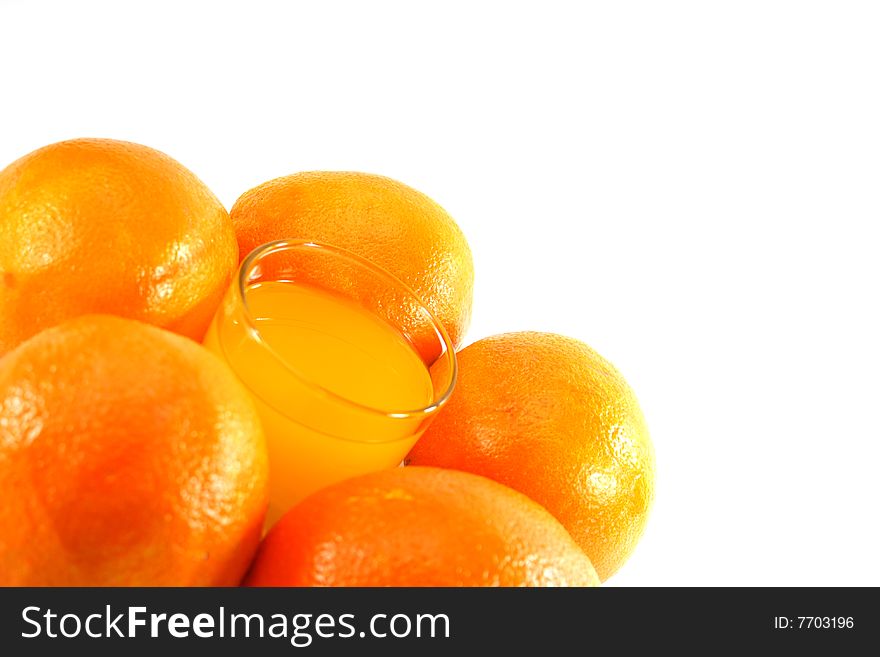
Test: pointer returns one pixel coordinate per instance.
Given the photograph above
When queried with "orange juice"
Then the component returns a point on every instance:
(340, 391)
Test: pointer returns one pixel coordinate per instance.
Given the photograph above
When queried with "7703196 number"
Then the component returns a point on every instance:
(814, 622)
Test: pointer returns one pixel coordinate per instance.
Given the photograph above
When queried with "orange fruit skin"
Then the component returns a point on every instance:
(104, 226)
(390, 224)
(548, 416)
(129, 456)
(419, 527)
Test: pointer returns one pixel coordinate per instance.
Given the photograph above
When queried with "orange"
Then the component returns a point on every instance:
(548, 416)
(392, 225)
(103, 226)
(128, 456)
(419, 527)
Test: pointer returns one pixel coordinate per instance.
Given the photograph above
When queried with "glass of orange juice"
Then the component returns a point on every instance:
(346, 366)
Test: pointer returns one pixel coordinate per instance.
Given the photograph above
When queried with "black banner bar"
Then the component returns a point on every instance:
(430, 621)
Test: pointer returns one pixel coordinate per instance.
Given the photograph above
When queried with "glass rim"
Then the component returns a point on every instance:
(243, 274)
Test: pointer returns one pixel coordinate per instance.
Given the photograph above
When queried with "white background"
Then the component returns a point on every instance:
(692, 188)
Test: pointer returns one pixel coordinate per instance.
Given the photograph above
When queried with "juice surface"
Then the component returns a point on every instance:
(325, 352)
(339, 346)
